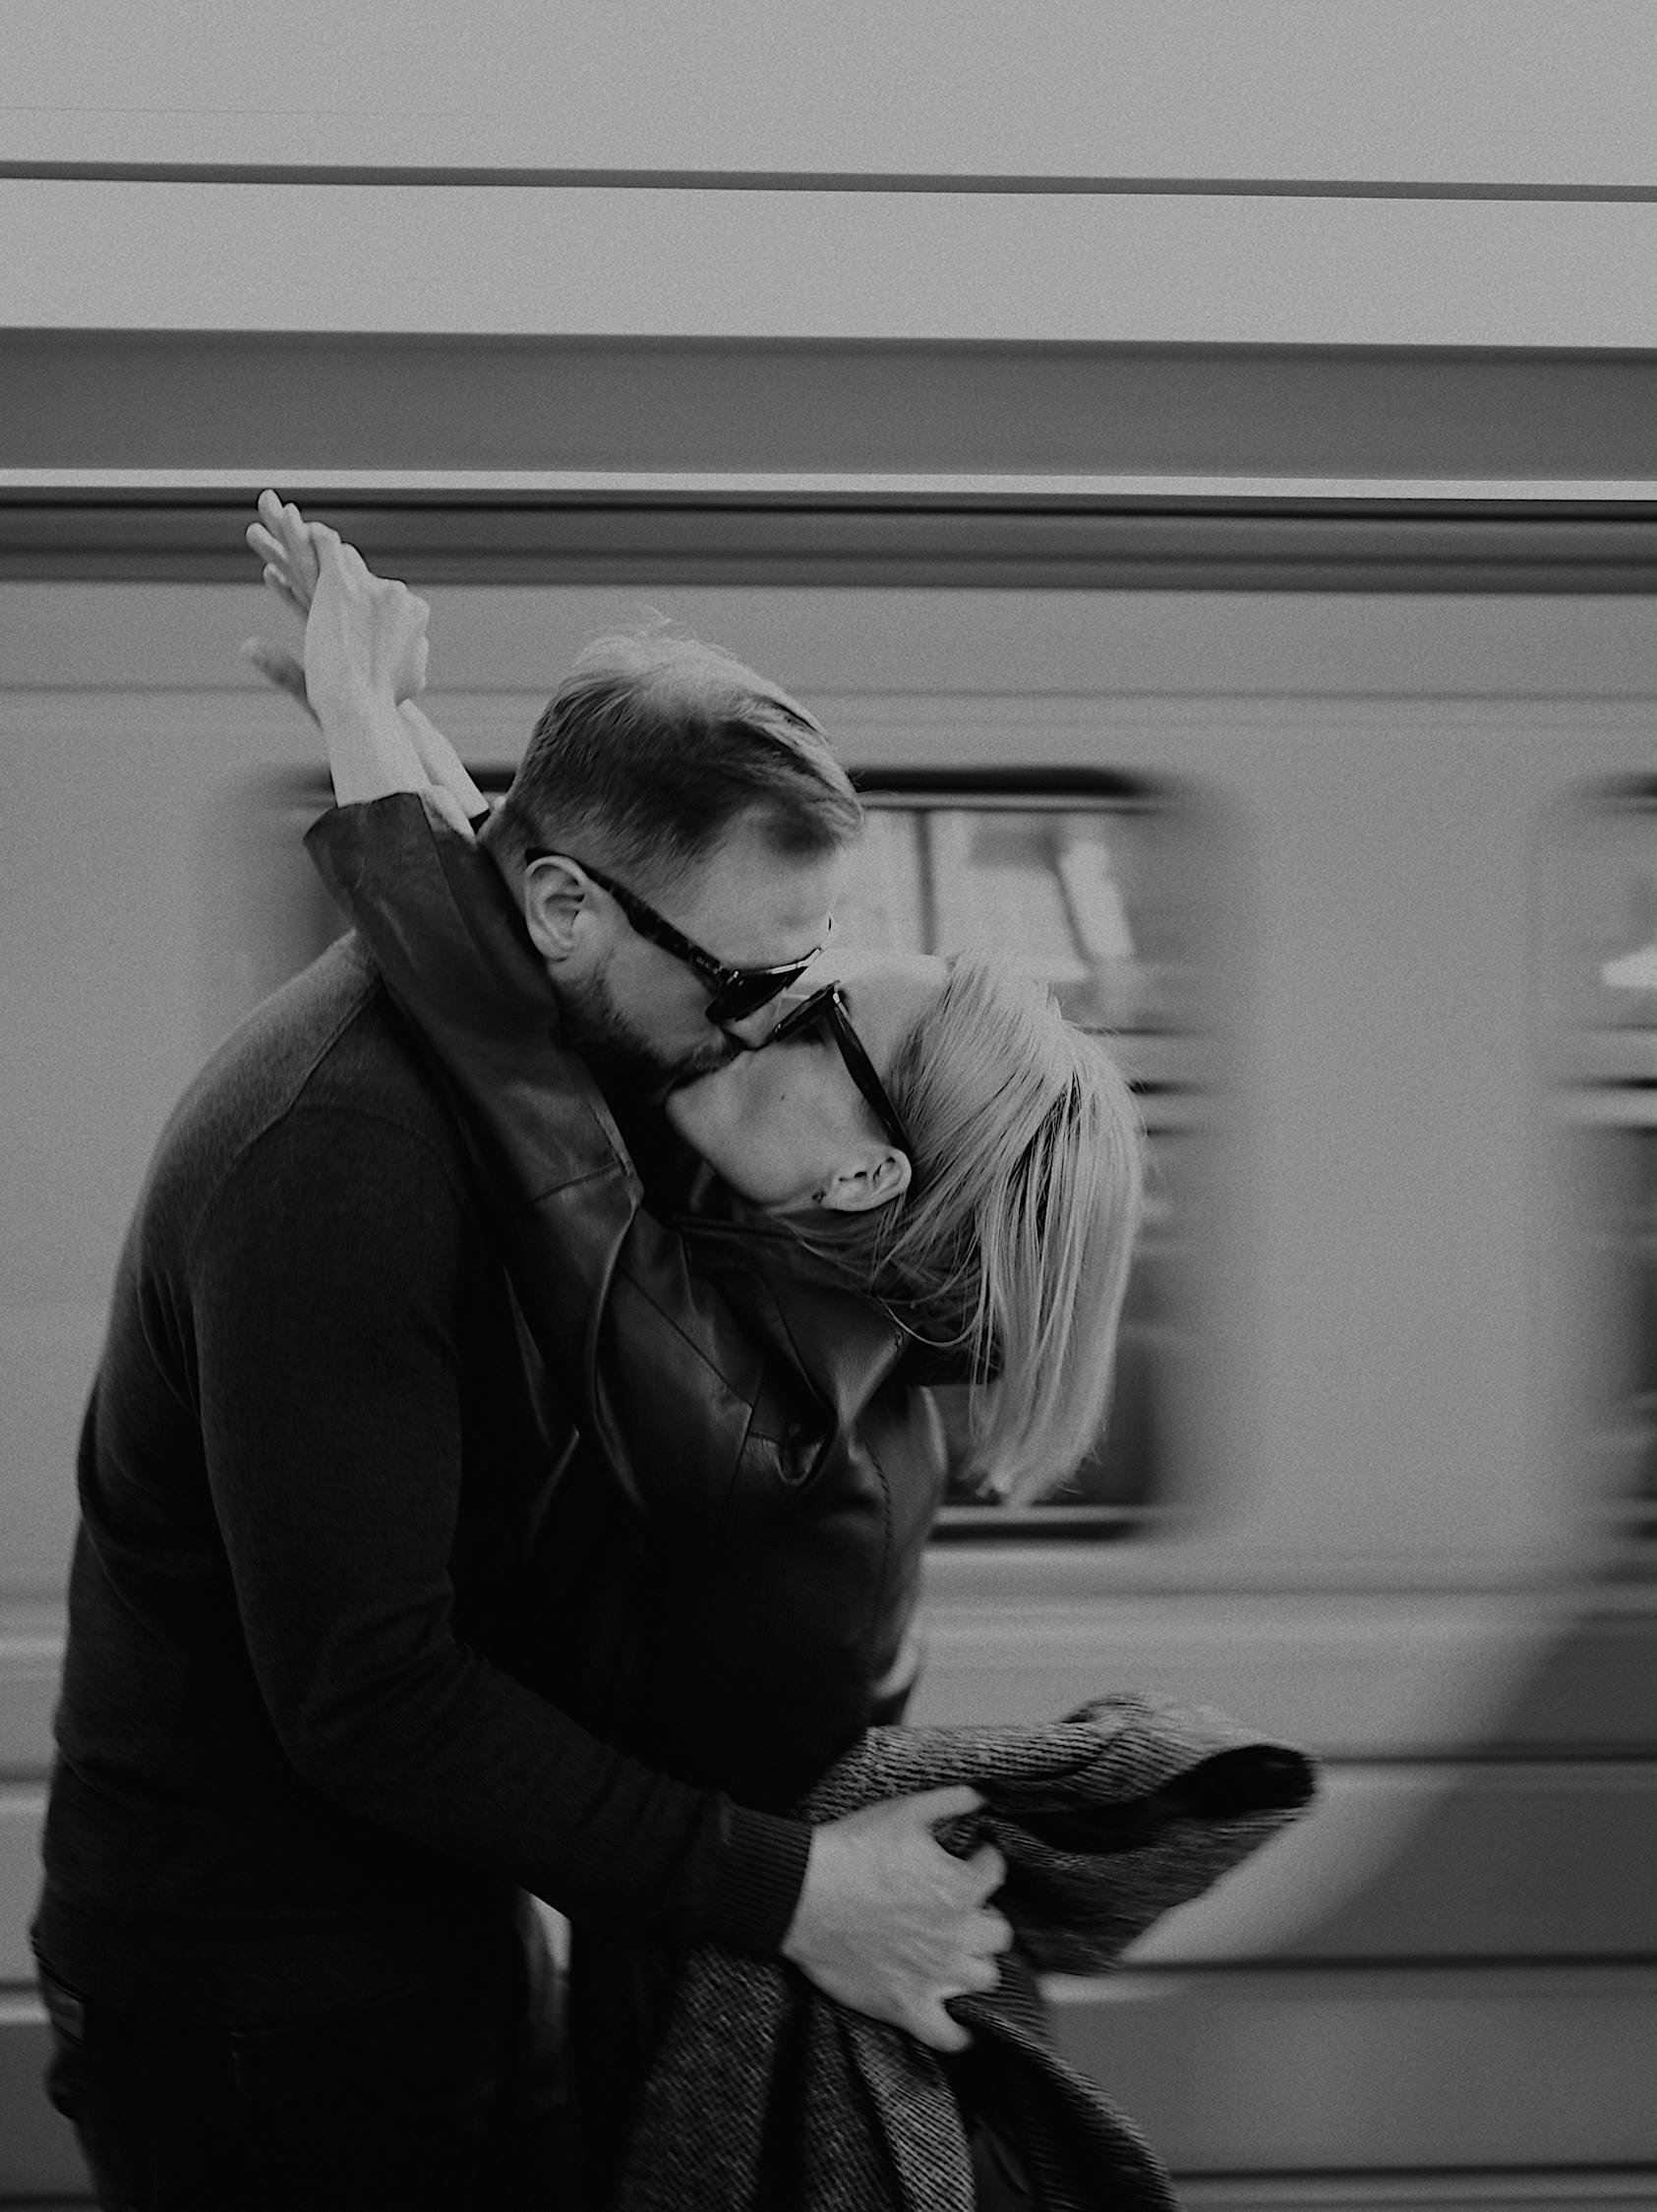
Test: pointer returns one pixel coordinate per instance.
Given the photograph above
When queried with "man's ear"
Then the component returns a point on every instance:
(555, 901)
(882, 1175)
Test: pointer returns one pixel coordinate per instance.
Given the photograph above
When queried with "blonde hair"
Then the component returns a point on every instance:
(1014, 1243)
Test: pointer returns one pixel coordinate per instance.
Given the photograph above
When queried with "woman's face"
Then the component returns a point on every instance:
(787, 1122)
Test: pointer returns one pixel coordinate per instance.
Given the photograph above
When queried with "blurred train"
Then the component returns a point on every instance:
(1358, 868)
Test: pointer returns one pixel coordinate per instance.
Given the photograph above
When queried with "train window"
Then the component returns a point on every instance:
(1600, 980)
(1092, 890)
(1095, 886)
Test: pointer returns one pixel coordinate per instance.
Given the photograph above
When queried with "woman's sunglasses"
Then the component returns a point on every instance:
(828, 1008)
(733, 992)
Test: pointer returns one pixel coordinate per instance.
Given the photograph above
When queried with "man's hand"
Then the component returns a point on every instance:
(890, 1923)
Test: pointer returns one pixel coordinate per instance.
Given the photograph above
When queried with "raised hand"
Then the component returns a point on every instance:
(374, 628)
(365, 635)
(894, 1926)
(282, 538)
(369, 607)
(365, 659)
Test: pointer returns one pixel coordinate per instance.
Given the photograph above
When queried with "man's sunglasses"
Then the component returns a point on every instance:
(828, 1008)
(733, 992)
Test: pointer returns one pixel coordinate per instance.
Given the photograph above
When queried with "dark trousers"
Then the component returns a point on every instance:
(439, 2098)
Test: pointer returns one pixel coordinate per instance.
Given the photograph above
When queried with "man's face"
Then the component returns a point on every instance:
(638, 1013)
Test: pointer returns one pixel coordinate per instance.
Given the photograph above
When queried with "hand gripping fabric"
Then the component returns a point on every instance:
(768, 2094)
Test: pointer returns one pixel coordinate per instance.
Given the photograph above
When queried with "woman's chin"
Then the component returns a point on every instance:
(702, 1113)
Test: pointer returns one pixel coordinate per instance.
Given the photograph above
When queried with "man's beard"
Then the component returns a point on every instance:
(624, 1060)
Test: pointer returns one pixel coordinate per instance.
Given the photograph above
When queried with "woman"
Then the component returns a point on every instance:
(925, 1173)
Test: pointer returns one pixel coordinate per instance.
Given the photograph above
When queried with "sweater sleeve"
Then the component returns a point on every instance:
(325, 1284)
(692, 1406)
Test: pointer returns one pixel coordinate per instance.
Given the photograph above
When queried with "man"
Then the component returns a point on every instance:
(296, 1800)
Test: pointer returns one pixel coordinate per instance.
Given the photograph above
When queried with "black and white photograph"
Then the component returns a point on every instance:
(828, 1106)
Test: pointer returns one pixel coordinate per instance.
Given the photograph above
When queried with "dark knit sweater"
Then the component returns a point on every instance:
(289, 1770)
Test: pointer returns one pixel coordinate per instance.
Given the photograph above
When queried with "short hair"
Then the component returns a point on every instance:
(656, 743)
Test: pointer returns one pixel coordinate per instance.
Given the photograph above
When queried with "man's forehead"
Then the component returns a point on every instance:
(747, 894)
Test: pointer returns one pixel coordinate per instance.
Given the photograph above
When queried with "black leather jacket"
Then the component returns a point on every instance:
(729, 1562)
